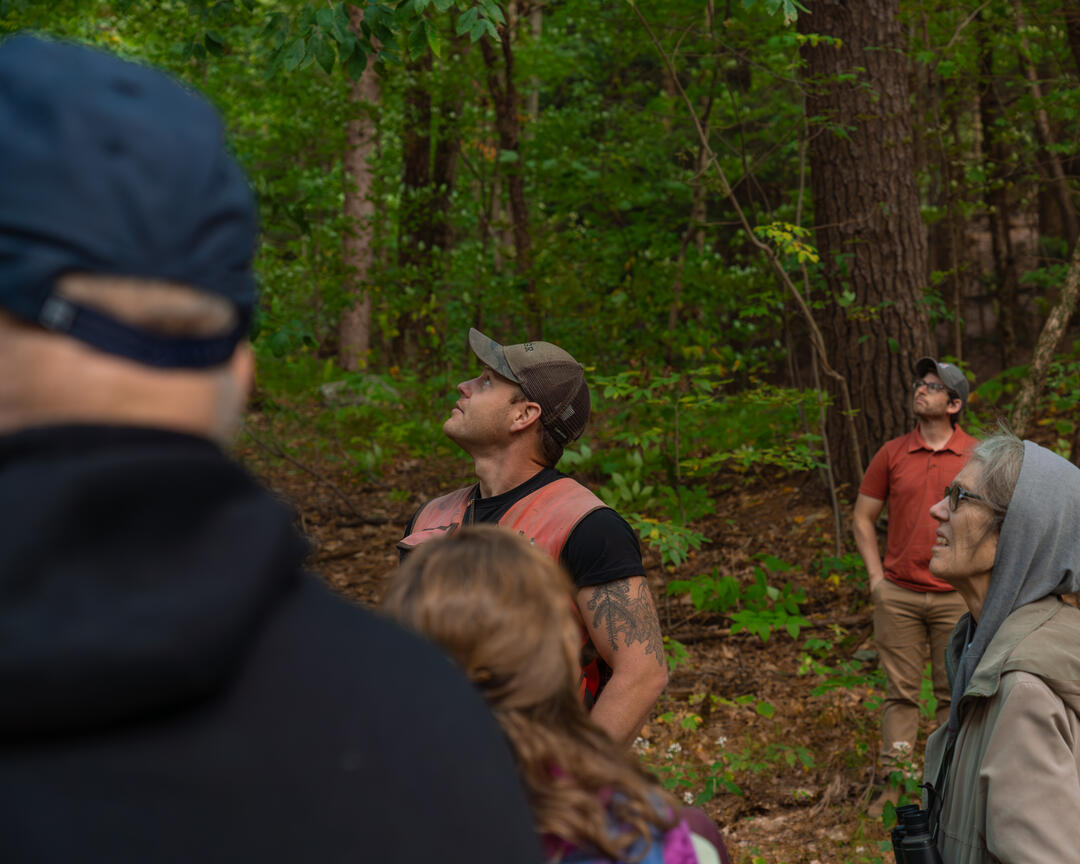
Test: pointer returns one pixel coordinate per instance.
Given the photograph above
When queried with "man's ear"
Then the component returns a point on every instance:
(525, 415)
(954, 406)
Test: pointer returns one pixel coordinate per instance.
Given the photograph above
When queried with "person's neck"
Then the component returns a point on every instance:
(936, 432)
(501, 472)
(973, 592)
(69, 384)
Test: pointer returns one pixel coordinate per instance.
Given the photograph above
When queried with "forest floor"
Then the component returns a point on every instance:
(741, 709)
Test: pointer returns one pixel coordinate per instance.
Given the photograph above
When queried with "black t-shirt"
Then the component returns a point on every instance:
(602, 548)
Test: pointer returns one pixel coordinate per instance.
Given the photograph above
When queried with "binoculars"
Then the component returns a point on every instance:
(911, 840)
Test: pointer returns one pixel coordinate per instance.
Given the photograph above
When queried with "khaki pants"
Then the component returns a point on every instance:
(909, 628)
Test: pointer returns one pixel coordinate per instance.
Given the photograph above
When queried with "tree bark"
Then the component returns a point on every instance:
(415, 226)
(869, 228)
(1051, 334)
(997, 201)
(354, 332)
(507, 103)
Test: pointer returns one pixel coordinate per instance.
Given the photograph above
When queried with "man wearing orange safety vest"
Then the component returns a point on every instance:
(514, 419)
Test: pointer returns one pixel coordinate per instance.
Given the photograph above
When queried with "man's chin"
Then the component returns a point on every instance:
(450, 432)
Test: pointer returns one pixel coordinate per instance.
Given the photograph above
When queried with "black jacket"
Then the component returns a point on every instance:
(174, 688)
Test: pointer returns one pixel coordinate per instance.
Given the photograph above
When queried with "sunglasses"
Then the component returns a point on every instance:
(957, 493)
(931, 386)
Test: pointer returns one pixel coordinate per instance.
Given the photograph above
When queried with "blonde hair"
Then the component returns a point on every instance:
(504, 611)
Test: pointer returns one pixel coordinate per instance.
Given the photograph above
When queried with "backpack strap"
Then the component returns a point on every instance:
(438, 518)
(548, 516)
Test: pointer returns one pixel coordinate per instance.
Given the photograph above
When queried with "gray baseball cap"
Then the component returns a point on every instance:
(547, 375)
(950, 376)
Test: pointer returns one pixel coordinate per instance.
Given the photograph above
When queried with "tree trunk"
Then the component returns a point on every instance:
(866, 209)
(1058, 183)
(415, 239)
(354, 332)
(997, 201)
(1051, 334)
(507, 102)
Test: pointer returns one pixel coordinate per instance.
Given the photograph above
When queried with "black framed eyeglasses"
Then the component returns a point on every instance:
(957, 493)
(931, 386)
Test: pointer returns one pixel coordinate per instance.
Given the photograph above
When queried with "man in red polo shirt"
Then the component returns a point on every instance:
(914, 613)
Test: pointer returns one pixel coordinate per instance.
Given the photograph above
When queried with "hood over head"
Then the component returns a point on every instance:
(1038, 554)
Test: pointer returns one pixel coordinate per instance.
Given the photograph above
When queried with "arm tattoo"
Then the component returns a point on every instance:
(632, 617)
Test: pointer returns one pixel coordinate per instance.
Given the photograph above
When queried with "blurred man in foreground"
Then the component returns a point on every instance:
(174, 687)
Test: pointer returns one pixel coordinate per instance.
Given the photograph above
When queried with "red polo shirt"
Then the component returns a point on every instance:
(911, 478)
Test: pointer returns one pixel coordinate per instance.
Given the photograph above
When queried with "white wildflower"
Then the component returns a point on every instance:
(675, 748)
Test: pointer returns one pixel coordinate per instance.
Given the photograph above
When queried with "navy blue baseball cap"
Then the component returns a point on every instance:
(108, 167)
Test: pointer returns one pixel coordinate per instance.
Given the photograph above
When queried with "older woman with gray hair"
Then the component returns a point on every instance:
(1005, 770)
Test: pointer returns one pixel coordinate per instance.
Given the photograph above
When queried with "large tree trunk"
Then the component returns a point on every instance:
(415, 227)
(499, 61)
(997, 200)
(866, 211)
(354, 332)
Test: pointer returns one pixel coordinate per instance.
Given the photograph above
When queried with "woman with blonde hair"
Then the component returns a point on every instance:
(504, 611)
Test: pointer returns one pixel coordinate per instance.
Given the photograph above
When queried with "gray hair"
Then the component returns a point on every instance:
(1001, 456)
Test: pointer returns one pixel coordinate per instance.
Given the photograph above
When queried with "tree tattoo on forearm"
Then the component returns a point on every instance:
(632, 617)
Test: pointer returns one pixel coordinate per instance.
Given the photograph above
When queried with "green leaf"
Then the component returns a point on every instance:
(434, 40)
(418, 42)
(294, 54)
(341, 22)
(466, 21)
(357, 62)
(479, 29)
(443, 5)
(325, 18)
(306, 20)
(506, 156)
(324, 52)
(765, 709)
(492, 10)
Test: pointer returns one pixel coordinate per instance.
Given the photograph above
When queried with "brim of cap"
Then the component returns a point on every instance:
(927, 364)
(491, 353)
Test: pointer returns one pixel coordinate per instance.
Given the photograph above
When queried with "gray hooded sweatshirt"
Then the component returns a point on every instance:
(1012, 791)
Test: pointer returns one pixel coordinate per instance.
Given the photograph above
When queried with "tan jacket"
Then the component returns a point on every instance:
(1013, 792)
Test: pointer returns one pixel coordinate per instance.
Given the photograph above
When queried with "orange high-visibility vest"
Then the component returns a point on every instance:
(546, 518)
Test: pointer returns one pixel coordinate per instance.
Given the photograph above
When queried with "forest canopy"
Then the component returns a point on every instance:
(772, 203)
